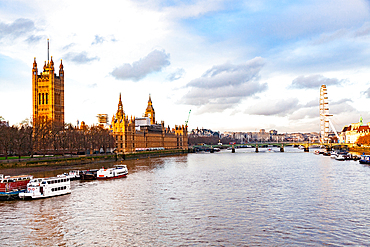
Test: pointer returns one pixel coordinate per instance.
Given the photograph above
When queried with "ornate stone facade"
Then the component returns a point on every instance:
(48, 92)
(130, 138)
(351, 133)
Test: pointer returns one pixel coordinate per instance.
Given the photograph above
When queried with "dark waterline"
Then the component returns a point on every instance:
(220, 199)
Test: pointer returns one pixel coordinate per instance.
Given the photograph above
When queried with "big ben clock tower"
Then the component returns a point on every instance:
(149, 112)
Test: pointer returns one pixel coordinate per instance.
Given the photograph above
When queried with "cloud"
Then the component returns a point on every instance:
(311, 109)
(153, 62)
(68, 46)
(98, 40)
(34, 39)
(18, 28)
(176, 75)
(224, 86)
(80, 58)
(341, 101)
(313, 103)
(341, 106)
(363, 31)
(305, 112)
(366, 93)
(314, 81)
(274, 107)
(327, 38)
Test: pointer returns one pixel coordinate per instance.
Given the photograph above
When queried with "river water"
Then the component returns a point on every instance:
(220, 199)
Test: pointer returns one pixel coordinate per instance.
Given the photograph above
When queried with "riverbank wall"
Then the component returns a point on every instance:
(360, 150)
(86, 159)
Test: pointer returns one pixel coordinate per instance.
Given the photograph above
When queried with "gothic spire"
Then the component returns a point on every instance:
(120, 112)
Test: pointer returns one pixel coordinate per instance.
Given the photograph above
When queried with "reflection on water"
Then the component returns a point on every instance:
(222, 199)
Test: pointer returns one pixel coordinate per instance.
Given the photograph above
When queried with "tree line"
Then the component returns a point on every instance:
(364, 140)
(47, 137)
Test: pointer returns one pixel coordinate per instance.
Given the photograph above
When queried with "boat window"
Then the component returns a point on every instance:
(52, 189)
(43, 182)
(48, 182)
(65, 187)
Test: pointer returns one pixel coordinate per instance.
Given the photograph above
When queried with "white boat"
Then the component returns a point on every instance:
(47, 187)
(333, 155)
(340, 157)
(118, 171)
(73, 175)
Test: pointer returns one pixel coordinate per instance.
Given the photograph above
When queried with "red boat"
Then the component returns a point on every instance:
(11, 186)
(119, 171)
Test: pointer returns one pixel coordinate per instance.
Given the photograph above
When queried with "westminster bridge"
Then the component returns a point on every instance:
(303, 145)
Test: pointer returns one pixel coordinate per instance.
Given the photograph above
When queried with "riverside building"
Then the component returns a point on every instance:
(352, 132)
(138, 134)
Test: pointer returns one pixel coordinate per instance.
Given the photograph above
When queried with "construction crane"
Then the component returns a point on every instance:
(186, 122)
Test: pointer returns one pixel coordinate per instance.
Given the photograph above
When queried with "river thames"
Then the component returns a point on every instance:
(203, 199)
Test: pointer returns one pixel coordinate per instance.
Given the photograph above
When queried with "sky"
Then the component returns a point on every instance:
(237, 65)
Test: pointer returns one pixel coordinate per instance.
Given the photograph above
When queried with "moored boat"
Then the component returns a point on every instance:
(340, 156)
(365, 159)
(11, 186)
(333, 155)
(73, 175)
(89, 174)
(117, 171)
(47, 187)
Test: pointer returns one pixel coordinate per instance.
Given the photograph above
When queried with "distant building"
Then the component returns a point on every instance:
(351, 133)
(102, 118)
(4, 123)
(203, 133)
(142, 122)
(273, 132)
(48, 92)
(144, 133)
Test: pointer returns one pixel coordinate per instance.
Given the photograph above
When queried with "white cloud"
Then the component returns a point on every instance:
(153, 62)
(179, 73)
(280, 108)
(224, 86)
(314, 81)
(79, 58)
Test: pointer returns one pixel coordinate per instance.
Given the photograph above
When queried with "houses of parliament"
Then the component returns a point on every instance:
(144, 133)
(130, 134)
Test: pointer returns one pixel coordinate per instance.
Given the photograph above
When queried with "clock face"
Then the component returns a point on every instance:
(149, 115)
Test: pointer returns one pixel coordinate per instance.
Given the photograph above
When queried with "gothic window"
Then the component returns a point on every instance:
(43, 99)
(39, 98)
(46, 98)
